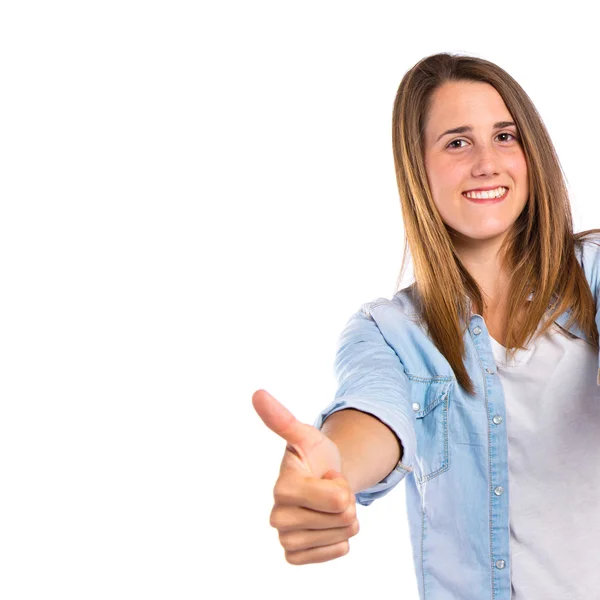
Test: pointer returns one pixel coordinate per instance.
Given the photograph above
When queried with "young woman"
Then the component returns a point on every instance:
(479, 382)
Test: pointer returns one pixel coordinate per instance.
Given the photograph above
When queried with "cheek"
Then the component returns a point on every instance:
(445, 187)
(519, 166)
(445, 176)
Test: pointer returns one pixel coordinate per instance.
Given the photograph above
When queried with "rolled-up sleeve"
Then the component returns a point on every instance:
(371, 378)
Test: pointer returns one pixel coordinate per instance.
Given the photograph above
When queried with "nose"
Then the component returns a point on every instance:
(485, 161)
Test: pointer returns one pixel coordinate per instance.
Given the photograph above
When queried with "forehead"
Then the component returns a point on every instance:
(459, 103)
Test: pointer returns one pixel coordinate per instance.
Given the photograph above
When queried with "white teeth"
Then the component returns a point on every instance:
(489, 194)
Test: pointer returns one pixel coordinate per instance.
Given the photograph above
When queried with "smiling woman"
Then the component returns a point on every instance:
(425, 389)
(475, 129)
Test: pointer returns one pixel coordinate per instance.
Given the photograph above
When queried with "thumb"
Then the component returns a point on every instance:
(312, 447)
(280, 420)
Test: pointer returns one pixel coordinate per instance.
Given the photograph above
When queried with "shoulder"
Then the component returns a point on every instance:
(587, 247)
(401, 303)
(587, 251)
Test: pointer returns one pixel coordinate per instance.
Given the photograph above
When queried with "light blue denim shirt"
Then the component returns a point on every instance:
(455, 448)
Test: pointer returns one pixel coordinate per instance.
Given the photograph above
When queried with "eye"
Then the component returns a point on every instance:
(454, 142)
(507, 133)
(462, 140)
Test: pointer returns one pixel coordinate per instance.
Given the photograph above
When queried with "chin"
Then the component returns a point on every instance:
(478, 235)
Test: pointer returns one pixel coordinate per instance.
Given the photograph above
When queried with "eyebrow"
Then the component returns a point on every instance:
(466, 128)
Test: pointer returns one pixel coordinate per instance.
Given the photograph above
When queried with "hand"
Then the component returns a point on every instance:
(314, 509)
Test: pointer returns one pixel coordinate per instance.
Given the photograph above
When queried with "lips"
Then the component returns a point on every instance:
(488, 200)
(486, 189)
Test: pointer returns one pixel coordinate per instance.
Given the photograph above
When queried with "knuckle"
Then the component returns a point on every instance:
(343, 549)
(281, 493)
(287, 541)
(294, 558)
(281, 518)
(349, 515)
(354, 528)
(340, 499)
(275, 518)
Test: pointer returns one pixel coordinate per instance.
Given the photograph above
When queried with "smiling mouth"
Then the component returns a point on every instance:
(487, 200)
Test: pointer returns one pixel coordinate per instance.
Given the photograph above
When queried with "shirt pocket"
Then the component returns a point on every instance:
(430, 408)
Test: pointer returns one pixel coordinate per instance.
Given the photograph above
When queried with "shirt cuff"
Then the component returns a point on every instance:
(397, 422)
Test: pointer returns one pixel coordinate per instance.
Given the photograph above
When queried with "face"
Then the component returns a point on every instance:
(484, 156)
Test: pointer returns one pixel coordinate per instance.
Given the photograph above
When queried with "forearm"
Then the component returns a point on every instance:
(369, 449)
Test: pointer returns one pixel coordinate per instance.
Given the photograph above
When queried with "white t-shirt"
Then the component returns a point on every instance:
(553, 427)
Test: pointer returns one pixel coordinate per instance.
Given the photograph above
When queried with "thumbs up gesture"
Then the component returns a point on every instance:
(314, 509)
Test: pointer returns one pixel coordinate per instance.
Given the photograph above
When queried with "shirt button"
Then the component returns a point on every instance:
(499, 490)
(497, 419)
(500, 564)
(416, 406)
(489, 371)
(477, 330)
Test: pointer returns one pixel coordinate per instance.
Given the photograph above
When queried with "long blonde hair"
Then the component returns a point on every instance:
(539, 249)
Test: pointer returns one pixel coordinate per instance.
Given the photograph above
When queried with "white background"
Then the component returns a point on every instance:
(193, 201)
